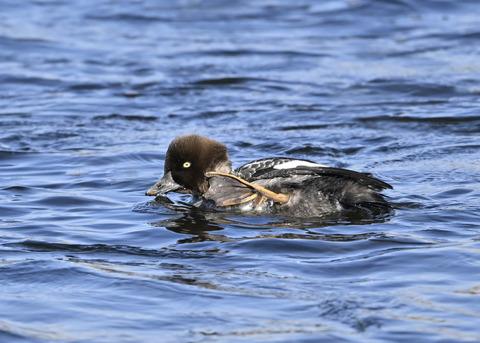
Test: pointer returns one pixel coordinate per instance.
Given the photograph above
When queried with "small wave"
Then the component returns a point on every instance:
(224, 81)
(430, 119)
(125, 117)
(126, 17)
(420, 89)
(92, 86)
(6, 79)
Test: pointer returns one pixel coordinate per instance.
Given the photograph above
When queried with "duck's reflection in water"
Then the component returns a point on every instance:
(201, 223)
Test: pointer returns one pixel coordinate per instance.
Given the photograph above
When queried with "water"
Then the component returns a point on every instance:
(93, 92)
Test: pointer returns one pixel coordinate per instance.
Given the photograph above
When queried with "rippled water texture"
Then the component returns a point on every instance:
(92, 93)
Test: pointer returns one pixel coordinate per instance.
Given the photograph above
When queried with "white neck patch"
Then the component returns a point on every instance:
(298, 163)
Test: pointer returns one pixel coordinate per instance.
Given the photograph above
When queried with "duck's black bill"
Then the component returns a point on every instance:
(164, 186)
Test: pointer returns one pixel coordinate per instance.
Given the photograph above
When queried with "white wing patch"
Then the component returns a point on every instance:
(298, 163)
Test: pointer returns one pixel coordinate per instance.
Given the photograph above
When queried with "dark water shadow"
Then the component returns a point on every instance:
(184, 218)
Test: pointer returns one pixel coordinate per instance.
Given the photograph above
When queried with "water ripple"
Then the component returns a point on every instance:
(91, 98)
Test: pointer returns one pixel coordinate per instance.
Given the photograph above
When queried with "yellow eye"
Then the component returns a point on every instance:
(187, 165)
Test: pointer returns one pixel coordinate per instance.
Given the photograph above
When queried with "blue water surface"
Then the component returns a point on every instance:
(91, 95)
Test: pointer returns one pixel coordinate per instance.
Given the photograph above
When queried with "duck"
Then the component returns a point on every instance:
(200, 166)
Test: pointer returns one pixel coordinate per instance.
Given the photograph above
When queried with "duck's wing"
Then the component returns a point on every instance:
(255, 168)
(287, 169)
(228, 190)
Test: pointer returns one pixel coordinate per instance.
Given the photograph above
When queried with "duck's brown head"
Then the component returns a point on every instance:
(188, 158)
